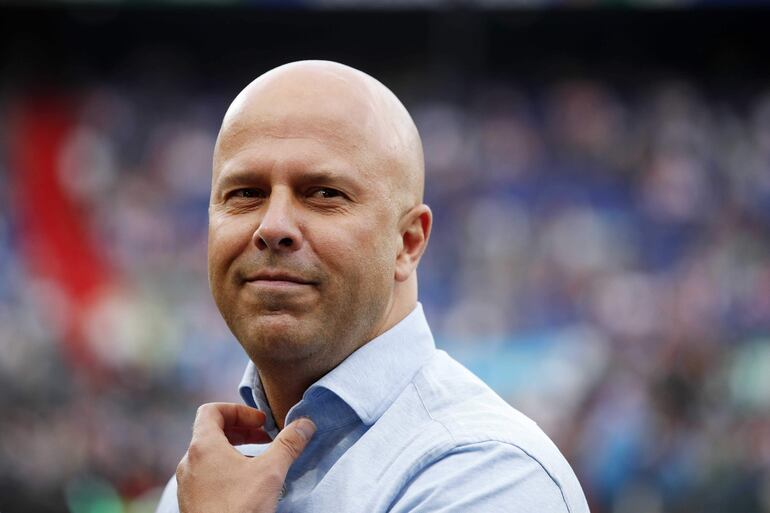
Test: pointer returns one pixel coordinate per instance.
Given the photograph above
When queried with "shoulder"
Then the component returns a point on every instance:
(488, 477)
(471, 424)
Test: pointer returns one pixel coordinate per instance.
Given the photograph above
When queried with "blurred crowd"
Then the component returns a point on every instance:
(600, 256)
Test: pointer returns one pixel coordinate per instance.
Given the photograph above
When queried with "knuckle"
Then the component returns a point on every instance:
(204, 408)
(291, 445)
(181, 468)
(194, 454)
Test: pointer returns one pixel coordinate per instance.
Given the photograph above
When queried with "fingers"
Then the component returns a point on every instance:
(213, 473)
(246, 435)
(237, 423)
(220, 423)
(288, 445)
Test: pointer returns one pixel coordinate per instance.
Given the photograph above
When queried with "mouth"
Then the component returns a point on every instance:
(277, 279)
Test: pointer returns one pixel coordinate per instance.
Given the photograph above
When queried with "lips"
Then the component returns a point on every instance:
(278, 277)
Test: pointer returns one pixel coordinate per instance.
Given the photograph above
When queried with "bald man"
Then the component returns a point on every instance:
(316, 228)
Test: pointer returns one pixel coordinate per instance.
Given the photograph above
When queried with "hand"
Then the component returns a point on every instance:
(213, 477)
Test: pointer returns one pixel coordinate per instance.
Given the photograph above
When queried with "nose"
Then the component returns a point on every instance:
(278, 229)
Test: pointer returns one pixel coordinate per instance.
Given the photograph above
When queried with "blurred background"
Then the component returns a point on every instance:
(600, 178)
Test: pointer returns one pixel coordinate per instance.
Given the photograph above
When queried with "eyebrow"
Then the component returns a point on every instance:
(247, 176)
(229, 179)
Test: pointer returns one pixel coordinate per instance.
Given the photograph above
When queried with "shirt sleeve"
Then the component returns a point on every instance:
(486, 477)
(168, 501)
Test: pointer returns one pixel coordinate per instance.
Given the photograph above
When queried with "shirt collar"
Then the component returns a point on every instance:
(253, 394)
(368, 380)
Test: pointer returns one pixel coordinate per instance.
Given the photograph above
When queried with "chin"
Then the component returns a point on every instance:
(280, 337)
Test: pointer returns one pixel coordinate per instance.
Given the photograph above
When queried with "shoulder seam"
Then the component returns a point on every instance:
(456, 445)
(432, 418)
(505, 442)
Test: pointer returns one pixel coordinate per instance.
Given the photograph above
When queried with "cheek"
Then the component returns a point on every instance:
(227, 238)
(360, 255)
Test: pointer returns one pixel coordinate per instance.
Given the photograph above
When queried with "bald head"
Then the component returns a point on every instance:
(342, 104)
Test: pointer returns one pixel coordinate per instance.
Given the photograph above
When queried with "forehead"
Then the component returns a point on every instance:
(286, 160)
(327, 132)
(271, 129)
(288, 149)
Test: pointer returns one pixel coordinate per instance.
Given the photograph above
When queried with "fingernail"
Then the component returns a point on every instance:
(305, 428)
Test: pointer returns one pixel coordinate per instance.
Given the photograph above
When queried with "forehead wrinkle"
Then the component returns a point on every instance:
(248, 163)
(232, 146)
(242, 137)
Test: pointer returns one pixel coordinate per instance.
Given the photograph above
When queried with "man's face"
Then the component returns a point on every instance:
(302, 235)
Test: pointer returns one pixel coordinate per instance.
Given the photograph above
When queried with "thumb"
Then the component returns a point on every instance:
(289, 444)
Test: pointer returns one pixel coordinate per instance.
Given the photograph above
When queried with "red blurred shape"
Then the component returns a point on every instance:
(54, 234)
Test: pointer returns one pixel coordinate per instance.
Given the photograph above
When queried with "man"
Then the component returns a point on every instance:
(316, 227)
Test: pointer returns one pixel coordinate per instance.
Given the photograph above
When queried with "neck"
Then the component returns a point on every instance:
(284, 383)
(283, 392)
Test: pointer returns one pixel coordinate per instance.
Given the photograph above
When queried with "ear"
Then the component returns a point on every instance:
(414, 228)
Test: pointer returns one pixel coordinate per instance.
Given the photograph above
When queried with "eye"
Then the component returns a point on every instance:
(326, 193)
(247, 193)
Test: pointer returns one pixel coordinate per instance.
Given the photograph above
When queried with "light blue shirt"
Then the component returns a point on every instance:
(402, 427)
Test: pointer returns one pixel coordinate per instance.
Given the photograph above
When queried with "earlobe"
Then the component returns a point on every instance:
(415, 232)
